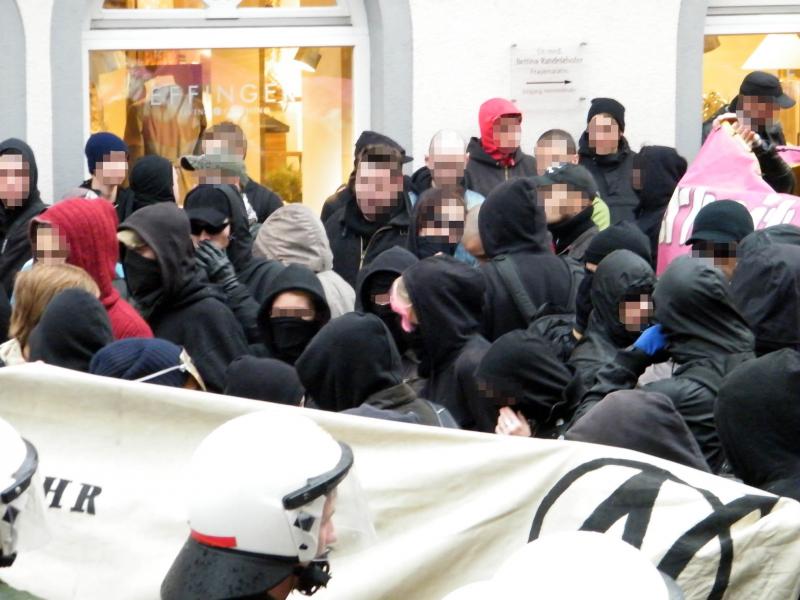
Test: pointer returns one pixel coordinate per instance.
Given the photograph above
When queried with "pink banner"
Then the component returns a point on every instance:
(723, 169)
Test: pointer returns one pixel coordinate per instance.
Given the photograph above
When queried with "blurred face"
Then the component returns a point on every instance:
(635, 313)
(327, 532)
(219, 236)
(552, 152)
(636, 179)
(293, 304)
(378, 189)
(507, 133)
(757, 111)
(217, 177)
(722, 256)
(113, 169)
(561, 203)
(15, 182)
(447, 168)
(448, 222)
(603, 134)
(51, 246)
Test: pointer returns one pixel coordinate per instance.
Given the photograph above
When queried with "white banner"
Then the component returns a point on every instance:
(448, 506)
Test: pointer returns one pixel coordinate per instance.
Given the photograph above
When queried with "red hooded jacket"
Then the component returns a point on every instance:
(490, 111)
(90, 228)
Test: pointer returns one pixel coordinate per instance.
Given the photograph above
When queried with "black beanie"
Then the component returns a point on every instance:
(623, 236)
(608, 106)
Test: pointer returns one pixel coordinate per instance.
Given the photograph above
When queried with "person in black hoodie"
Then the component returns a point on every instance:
(566, 193)
(73, 327)
(440, 301)
(758, 418)
(641, 421)
(352, 362)
(604, 150)
(656, 173)
(766, 289)
(264, 379)
(513, 230)
(292, 313)
(153, 179)
(621, 293)
(622, 236)
(372, 296)
(702, 332)
(522, 377)
(19, 203)
(376, 213)
(168, 290)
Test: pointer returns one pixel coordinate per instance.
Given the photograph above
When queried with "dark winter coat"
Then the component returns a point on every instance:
(613, 175)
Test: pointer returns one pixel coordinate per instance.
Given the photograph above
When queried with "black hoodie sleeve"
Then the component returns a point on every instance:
(774, 169)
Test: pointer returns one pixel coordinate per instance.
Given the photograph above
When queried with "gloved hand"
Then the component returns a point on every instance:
(215, 262)
(651, 341)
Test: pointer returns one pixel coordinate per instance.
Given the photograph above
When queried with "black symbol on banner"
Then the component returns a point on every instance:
(636, 499)
(84, 501)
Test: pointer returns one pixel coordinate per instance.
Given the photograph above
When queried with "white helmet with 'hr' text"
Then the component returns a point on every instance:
(262, 492)
(22, 520)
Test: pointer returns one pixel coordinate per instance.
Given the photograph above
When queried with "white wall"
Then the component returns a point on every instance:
(462, 57)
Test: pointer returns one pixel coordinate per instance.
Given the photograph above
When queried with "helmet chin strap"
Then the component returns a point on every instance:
(312, 576)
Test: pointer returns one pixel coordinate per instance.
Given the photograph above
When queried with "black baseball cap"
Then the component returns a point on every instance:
(759, 83)
(722, 222)
(371, 138)
(574, 175)
(209, 205)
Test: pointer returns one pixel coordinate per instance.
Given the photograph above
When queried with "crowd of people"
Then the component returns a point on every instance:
(493, 290)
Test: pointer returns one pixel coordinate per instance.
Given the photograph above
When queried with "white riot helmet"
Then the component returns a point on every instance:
(258, 487)
(23, 525)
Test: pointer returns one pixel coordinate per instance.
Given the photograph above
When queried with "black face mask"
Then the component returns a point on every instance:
(583, 302)
(143, 276)
(290, 336)
(392, 322)
(427, 246)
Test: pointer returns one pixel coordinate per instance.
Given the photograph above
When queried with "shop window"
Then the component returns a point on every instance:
(201, 4)
(728, 58)
(294, 105)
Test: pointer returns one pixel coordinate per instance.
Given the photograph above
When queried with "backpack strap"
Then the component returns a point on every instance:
(510, 276)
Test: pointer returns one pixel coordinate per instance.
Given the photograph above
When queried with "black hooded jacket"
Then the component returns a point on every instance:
(511, 224)
(613, 174)
(355, 242)
(661, 169)
(707, 338)
(353, 361)
(389, 265)
(73, 327)
(484, 173)
(521, 370)
(619, 274)
(292, 278)
(188, 312)
(15, 246)
(447, 296)
(758, 418)
(641, 421)
(264, 379)
(151, 181)
(263, 200)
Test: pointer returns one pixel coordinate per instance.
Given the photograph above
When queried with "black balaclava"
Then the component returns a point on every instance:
(643, 421)
(619, 275)
(74, 326)
(151, 181)
(350, 359)
(145, 284)
(377, 278)
(523, 372)
(264, 379)
(287, 337)
(623, 236)
(758, 417)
